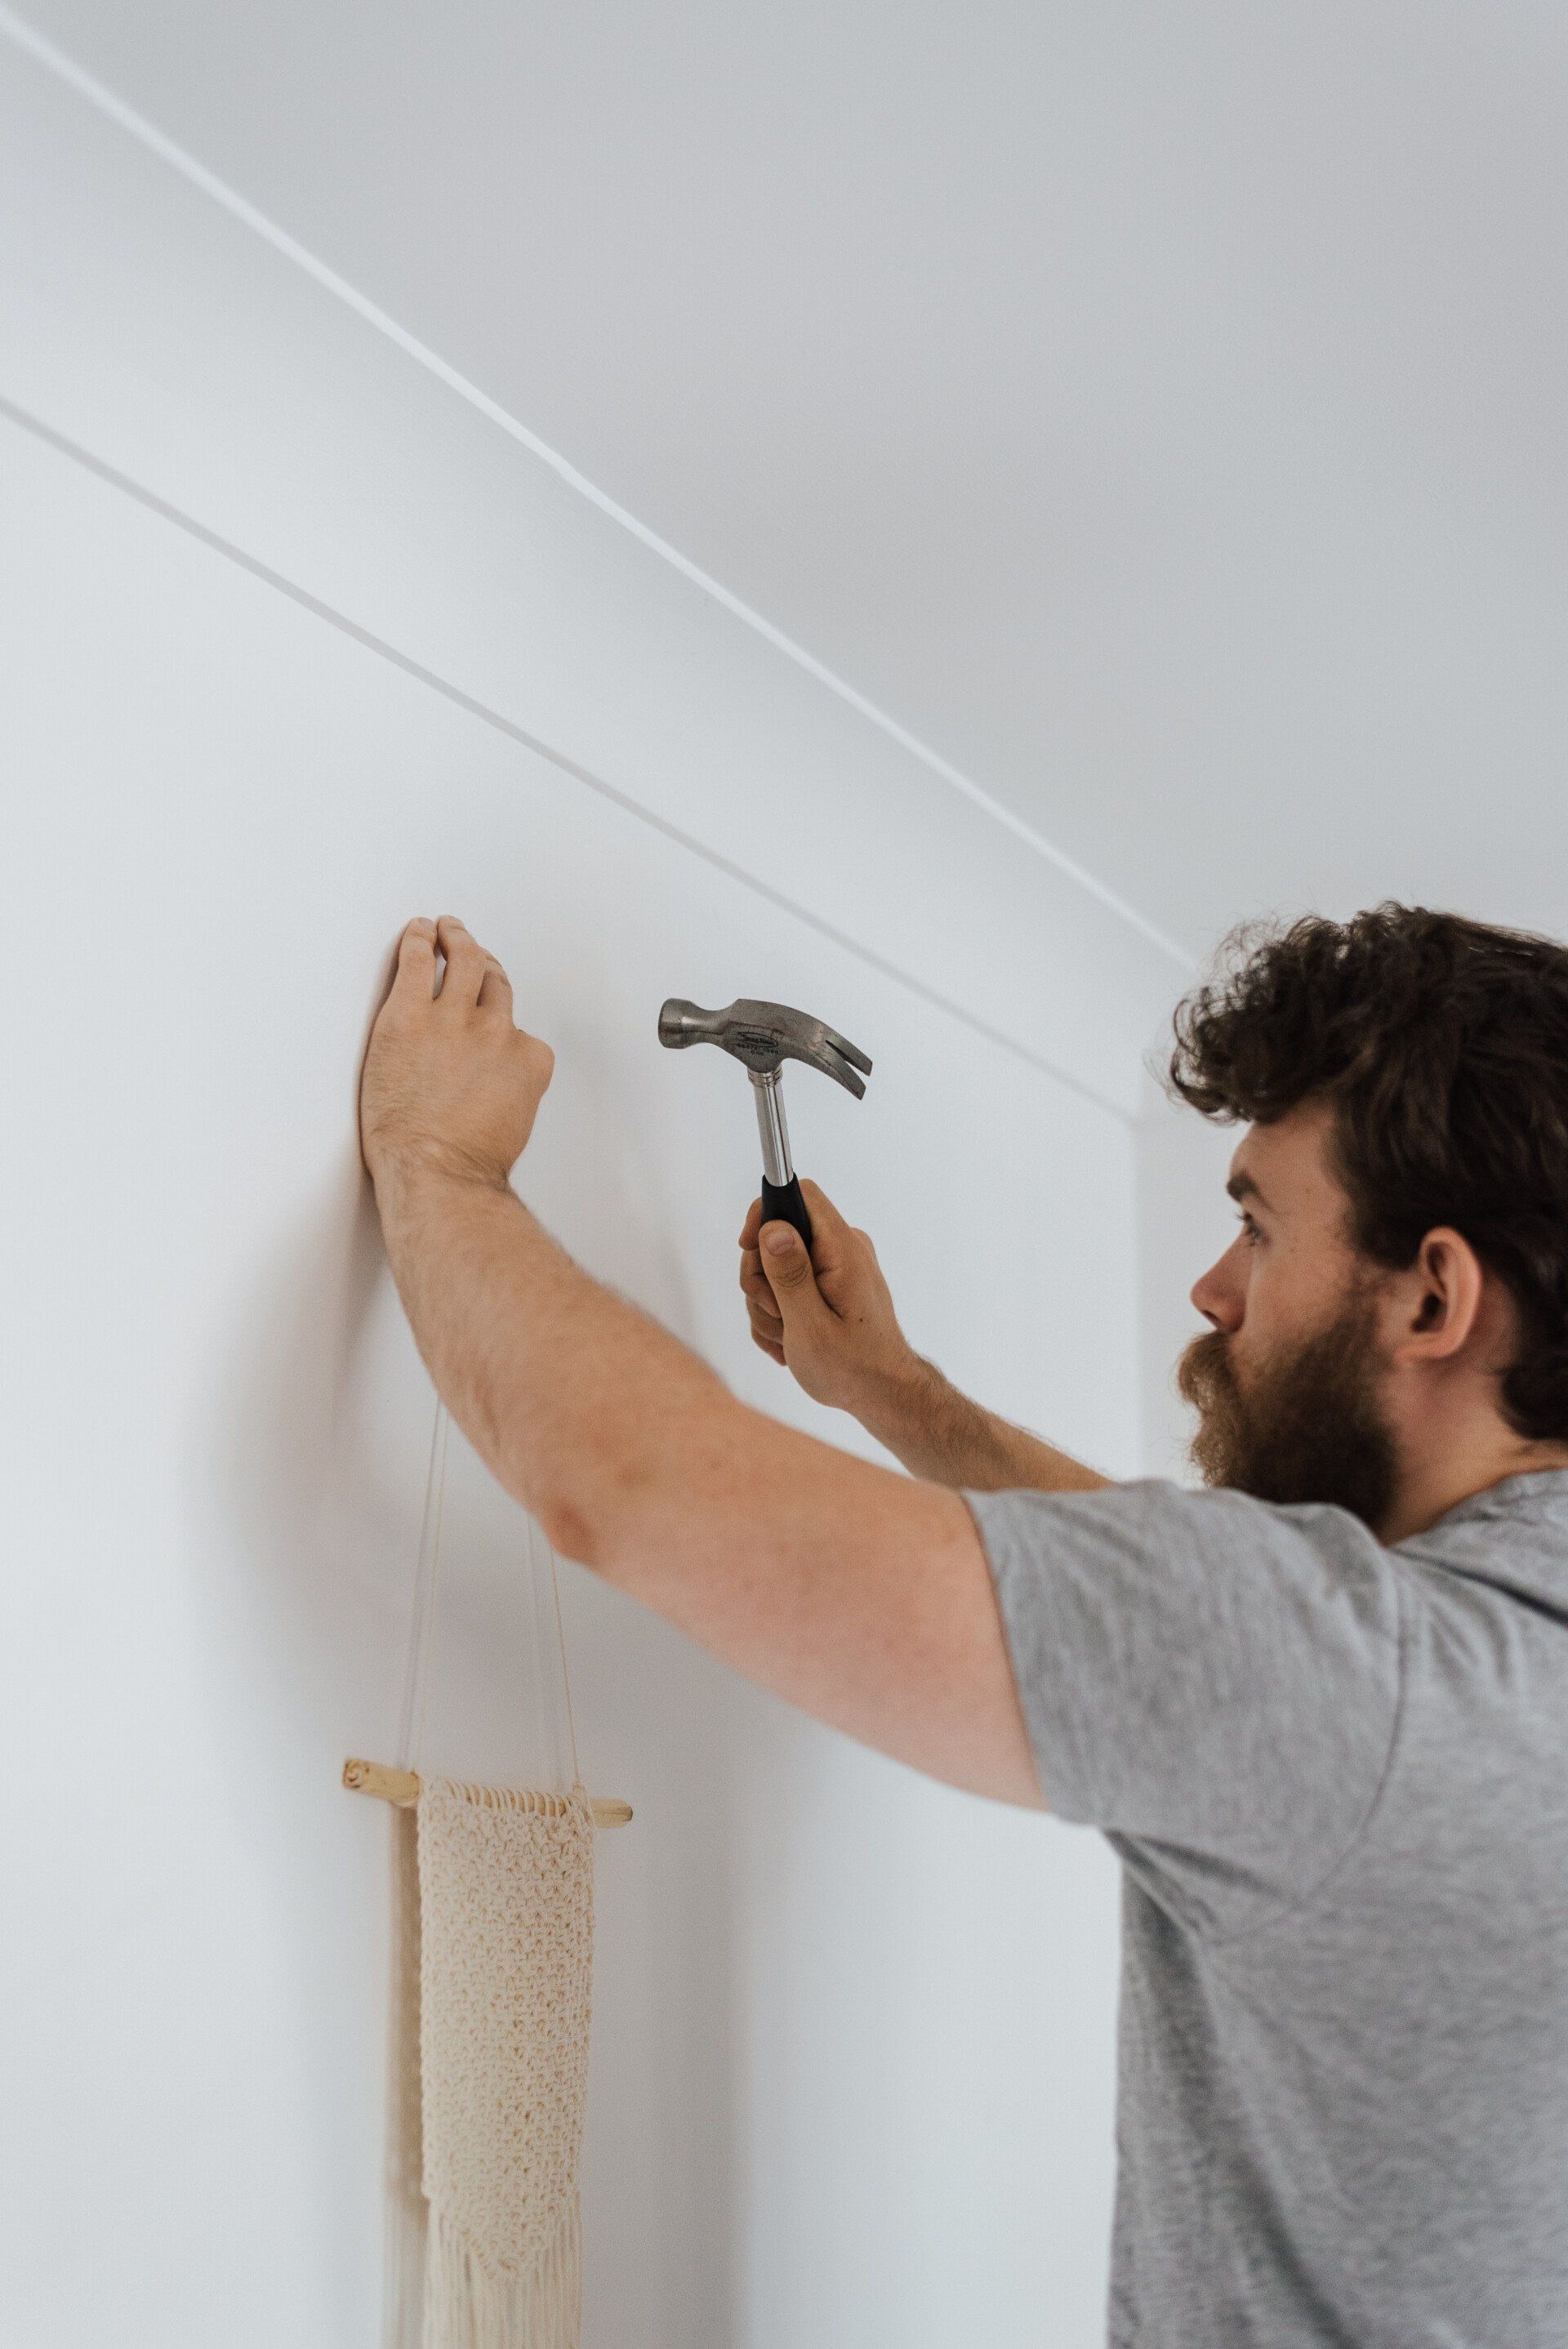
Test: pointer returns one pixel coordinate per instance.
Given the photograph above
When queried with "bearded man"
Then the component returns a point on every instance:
(1319, 1709)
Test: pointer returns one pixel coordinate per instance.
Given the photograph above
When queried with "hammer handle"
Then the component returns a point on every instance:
(782, 1204)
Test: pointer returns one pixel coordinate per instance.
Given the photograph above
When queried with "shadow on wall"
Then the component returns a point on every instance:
(315, 1444)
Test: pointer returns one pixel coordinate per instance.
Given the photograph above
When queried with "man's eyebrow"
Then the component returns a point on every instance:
(1241, 1186)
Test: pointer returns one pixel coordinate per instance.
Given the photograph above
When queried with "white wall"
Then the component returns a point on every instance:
(298, 640)
(1184, 1222)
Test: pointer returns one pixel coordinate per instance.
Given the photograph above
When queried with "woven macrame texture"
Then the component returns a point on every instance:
(506, 1913)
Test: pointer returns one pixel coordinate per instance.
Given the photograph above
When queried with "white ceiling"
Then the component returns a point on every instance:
(1161, 410)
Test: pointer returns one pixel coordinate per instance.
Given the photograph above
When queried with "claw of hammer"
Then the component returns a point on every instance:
(763, 1035)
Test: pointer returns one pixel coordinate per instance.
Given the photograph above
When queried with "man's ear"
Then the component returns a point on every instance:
(1442, 1294)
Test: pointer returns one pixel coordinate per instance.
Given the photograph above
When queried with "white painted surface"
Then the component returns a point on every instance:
(1158, 409)
(360, 480)
(852, 2056)
(1185, 1221)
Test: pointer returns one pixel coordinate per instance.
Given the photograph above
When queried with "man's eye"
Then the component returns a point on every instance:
(1250, 1231)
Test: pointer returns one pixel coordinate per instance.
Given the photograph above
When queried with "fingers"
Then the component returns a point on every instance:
(826, 1221)
(467, 962)
(495, 990)
(765, 1315)
(832, 1242)
(474, 977)
(760, 1301)
(753, 1279)
(767, 1330)
(766, 1323)
(779, 1274)
(415, 978)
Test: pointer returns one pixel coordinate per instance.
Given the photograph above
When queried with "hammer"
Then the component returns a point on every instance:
(764, 1036)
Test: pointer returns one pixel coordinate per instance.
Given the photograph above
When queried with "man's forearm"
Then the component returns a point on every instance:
(572, 1397)
(827, 1315)
(941, 1435)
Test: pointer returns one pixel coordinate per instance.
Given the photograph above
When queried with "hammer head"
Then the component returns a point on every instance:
(764, 1035)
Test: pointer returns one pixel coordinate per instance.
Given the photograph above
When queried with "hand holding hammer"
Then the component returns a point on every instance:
(813, 1287)
(826, 1313)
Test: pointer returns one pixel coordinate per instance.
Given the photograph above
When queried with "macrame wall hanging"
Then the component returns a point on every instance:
(506, 1936)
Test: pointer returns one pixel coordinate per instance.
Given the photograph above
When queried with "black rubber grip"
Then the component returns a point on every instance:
(785, 1206)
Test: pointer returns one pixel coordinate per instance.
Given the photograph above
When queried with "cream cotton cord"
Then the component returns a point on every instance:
(506, 1898)
(422, 1631)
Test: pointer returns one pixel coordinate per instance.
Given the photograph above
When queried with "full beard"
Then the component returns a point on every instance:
(1307, 1427)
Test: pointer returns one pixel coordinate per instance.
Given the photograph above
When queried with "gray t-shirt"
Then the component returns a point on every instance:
(1336, 1775)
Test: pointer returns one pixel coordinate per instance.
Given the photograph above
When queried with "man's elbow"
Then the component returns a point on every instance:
(574, 1525)
(620, 1508)
(600, 1519)
(574, 1478)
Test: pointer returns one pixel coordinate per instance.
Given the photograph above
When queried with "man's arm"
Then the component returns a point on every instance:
(857, 1595)
(829, 1316)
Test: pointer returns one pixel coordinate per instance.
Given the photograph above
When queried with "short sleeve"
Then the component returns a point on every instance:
(1211, 1680)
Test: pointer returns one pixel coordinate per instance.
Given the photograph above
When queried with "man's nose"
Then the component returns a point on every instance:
(1218, 1298)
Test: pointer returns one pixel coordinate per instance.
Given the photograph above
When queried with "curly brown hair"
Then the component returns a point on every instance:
(1442, 1045)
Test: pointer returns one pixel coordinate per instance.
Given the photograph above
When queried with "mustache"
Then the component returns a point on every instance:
(1206, 1381)
(1205, 1370)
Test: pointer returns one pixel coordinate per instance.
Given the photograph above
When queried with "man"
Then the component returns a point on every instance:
(1321, 1710)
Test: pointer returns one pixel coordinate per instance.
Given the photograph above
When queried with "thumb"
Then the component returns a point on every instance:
(787, 1262)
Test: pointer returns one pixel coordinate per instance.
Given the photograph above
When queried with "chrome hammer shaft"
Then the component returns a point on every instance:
(771, 1125)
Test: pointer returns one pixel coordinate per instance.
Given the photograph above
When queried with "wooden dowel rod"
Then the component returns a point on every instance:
(402, 1787)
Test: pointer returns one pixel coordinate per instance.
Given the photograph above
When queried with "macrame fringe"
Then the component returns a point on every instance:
(466, 2307)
